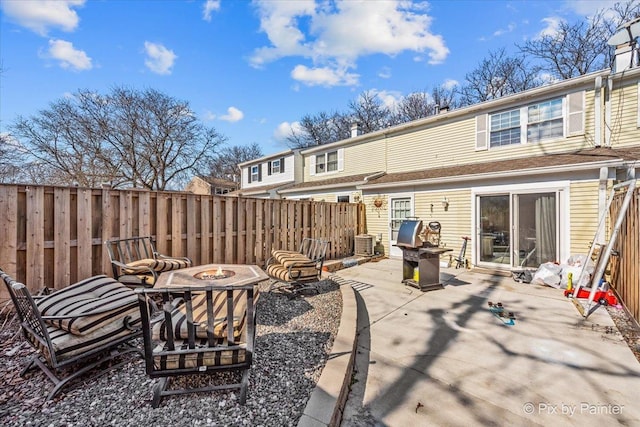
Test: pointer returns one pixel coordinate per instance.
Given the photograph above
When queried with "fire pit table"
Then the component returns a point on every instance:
(212, 274)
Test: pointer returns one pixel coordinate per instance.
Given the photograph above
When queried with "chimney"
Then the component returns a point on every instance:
(355, 129)
(626, 56)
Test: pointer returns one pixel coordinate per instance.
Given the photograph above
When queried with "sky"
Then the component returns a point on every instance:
(253, 69)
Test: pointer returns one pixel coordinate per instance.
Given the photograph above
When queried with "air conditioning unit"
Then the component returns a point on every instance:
(364, 245)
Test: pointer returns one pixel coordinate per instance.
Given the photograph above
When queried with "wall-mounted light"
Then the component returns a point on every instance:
(445, 203)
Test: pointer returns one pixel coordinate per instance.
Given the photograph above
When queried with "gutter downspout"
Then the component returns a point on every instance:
(598, 111)
(607, 113)
(602, 201)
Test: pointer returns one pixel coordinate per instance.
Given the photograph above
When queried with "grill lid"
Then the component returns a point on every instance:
(409, 234)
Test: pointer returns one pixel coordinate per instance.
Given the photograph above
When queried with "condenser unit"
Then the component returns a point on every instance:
(364, 245)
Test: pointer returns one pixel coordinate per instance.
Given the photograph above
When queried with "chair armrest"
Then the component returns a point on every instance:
(135, 269)
(270, 261)
(160, 256)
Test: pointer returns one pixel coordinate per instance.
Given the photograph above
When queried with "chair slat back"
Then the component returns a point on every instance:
(131, 249)
(314, 249)
(197, 320)
(27, 310)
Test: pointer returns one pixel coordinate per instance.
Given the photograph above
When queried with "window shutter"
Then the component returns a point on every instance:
(249, 174)
(575, 113)
(341, 159)
(259, 172)
(312, 165)
(282, 165)
(269, 168)
(481, 132)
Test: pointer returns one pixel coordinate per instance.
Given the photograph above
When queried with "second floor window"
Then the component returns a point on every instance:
(327, 162)
(275, 166)
(545, 121)
(255, 173)
(505, 128)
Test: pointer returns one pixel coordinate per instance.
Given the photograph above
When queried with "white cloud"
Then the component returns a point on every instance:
(450, 84)
(159, 58)
(589, 7)
(503, 31)
(385, 73)
(285, 129)
(209, 7)
(388, 98)
(333, 35)
(552, 24)
(208, 116)
(41, 15)
(68, 56)
(233, 115)
(323, 76)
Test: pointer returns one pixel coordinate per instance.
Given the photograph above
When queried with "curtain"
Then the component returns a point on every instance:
(546, 228)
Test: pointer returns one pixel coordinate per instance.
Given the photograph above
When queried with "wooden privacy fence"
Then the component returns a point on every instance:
(625, 268)
(53, 236)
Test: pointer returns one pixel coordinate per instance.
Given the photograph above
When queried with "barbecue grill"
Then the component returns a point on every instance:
(421, 254)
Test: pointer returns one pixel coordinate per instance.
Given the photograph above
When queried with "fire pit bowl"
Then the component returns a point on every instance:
(214, 274)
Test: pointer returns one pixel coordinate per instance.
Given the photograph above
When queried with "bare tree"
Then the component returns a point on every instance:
(128, 138)
(573, 50)
(498, 75)
(319, 129)
(579, 48)
(414, 106)
(370, 113)
(225, 162)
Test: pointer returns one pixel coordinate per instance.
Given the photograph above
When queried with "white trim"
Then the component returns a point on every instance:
(412, 203)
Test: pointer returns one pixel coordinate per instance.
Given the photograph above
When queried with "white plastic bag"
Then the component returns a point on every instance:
(548, 274)
(575, 265)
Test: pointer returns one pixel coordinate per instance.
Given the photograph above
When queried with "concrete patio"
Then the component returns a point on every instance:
(442, 358)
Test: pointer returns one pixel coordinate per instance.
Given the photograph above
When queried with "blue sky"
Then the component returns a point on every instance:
(252, 69)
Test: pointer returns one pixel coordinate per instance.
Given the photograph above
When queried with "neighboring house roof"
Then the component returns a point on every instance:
(220, 182)
(341, 181)
(264, 189)
(547, 163)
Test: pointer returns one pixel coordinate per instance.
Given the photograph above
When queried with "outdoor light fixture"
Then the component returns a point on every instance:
(445, 203)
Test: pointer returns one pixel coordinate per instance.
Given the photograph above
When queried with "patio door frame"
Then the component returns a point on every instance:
(563, 220)
(395, 252)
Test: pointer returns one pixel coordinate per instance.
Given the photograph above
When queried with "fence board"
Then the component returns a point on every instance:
(192, 240)
(35, 237)
(241, 238)
(84, 228)
(229, 252)
(205, 231)
(9, 233)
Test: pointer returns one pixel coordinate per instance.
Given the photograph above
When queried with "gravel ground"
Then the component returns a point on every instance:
(293, 340)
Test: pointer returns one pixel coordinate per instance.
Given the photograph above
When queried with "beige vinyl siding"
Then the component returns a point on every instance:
(453, 143)
(326, 197)
(455, 220)
(378, 218)
(584, 215)
(624, 115)
(360, 158)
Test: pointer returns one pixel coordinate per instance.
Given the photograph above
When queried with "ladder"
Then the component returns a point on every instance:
(603, 256)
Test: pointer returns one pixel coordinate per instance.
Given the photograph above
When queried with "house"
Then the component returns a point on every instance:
(525, 176)
(265, 176)
(200, 185)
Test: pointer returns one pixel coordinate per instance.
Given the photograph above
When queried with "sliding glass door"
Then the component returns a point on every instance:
(517, 229)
